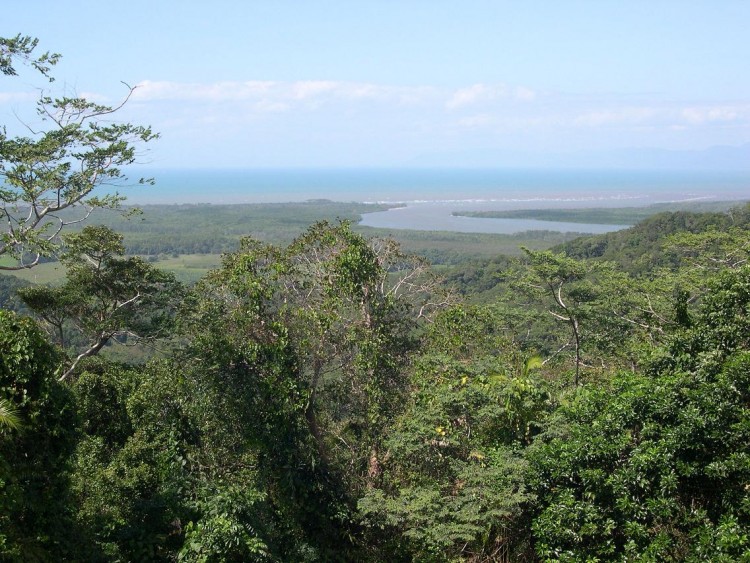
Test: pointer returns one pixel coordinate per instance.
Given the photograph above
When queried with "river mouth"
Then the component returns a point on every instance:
(438, 216)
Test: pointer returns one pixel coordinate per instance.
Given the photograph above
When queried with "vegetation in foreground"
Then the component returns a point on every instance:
(333, 399)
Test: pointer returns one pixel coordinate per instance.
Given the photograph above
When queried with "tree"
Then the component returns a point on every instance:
(568, 283)
(49, 178)
(35, 523)
(351, 305)
(21, 47)
(105, 295)
(237, 340)
(655, 466)
(453, 481)
(312, 340)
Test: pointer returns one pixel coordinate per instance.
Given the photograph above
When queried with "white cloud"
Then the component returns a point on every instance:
(478, 93)
(270, 106)
(10, 97)
(216, 92)
(525, 94)
(669, 116)
(466, 96)
(273, 93)
(715, 114)
(311, 88)
(615, 116)
(365, 91)
(476, 121)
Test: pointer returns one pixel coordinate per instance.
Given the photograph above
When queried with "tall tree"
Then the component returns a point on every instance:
(106, 295)
(48, 177)
(313, 340)
(351, 305)
(567, 283)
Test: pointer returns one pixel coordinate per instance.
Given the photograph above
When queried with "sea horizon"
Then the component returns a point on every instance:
(415, 185)
(429, 196)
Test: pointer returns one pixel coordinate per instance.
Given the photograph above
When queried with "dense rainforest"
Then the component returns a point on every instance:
(334, 397)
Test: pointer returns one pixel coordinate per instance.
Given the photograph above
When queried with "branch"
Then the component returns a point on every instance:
(128, 302)
(92, 350)
(558, 296)
(560, 317)
(556, 353)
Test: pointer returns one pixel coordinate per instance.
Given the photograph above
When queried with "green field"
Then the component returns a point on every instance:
(47, 272)
(189, 268)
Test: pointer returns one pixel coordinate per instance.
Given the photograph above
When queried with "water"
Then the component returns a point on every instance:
(438, 216)
(431, 195)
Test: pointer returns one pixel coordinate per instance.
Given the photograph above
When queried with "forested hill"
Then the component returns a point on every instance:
(641, 247)
(638, 250)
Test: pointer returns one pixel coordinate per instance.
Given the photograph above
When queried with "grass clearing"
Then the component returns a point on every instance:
(45, 273)
(189, 268)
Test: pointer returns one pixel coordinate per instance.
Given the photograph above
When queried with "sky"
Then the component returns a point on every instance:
(399, 83)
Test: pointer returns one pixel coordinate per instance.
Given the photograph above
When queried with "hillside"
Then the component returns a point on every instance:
(639, 248)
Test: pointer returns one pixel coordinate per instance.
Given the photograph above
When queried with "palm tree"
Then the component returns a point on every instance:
(9, 415)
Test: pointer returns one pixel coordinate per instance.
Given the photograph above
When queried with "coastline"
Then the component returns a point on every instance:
(428, 198)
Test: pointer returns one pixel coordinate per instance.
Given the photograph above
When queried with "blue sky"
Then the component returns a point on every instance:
(399, 83)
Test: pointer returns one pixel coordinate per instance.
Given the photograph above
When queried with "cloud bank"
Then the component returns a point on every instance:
(478, 104)
(353, 123)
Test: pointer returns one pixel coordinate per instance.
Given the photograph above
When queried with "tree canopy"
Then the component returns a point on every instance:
(63, 169)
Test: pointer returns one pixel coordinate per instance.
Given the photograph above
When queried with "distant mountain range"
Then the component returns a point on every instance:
(714, 158)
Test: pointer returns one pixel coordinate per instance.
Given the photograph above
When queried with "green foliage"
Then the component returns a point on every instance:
(57, 168)
(655, 466)
(225, 532)
(9, 415)
(105, 295)
(21, 47)
(141, 464)
(641, 248)
(712, 249)
(9, 300)
(131, 484)
(35, 518)
(453, 481)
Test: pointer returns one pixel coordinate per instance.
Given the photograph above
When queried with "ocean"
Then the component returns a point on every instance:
(429, 196)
